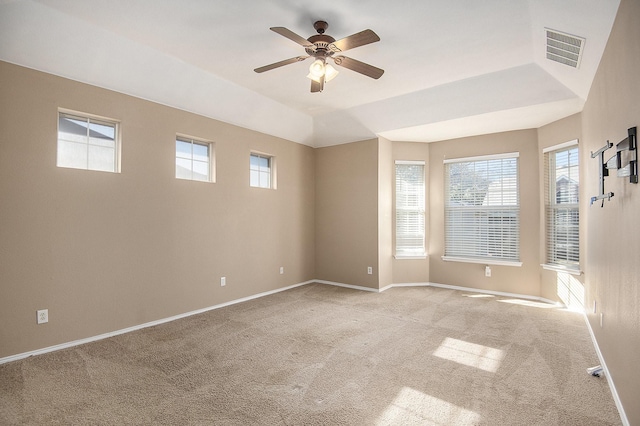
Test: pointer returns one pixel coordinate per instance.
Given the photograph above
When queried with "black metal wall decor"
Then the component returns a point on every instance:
(604, 172)
(626, 158)
(625, 161)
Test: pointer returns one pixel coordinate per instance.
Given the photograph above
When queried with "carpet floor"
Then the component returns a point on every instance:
(323, 355)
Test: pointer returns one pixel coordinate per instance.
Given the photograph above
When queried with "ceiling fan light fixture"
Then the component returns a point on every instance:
(314, 78)
(330, 73)
(317, 68)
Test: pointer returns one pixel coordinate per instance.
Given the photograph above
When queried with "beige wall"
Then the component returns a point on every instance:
(519, 280)
(107, 251)
(352, 179)
(347, 213)
(412, 270)
(561, 286)
(612, 260)
(386, 183)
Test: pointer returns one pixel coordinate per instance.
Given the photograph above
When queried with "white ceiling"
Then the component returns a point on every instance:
(453, 68)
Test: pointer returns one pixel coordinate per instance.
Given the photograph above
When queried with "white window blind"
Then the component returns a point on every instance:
(482, 209)
(410, 205)
(562, 185)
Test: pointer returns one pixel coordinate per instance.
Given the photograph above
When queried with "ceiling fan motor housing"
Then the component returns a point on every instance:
(321, 43)
(320, 26)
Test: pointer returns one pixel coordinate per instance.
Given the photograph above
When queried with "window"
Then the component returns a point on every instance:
(260, 171)
(87, 143)
(194, 160)
(410, 204)
(482, 210)
(562, 184)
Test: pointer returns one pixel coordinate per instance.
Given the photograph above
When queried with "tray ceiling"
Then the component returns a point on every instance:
(452, 68)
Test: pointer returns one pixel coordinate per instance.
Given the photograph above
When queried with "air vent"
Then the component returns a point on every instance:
(564, 48)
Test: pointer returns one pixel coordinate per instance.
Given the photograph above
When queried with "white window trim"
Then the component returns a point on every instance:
(561, 268)
(411, 162)
(409, 257)
(482, 157)
(117, 135)
(576, 270)
(560, 146)
(417, 255)
(272, 169)
(212, 155)
(481, 261)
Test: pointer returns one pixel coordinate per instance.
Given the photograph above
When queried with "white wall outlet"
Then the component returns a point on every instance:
(487, 271)
(369, 270)
(223, 281)
(281, 270)
(43, 316)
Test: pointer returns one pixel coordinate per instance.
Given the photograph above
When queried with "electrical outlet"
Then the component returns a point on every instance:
(281, 270)
(223, 281)
(43, 316)
(487, 271)
(369, 270)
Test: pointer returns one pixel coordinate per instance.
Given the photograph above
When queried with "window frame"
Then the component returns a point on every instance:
(211, 167)
(418, 207)
(481, 211)
(552, 206)
(271, 159)
(89, 119)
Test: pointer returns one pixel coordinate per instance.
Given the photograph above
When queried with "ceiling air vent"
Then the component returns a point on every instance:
(564, 48)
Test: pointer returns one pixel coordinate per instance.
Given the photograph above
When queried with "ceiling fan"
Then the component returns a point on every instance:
(322, 47)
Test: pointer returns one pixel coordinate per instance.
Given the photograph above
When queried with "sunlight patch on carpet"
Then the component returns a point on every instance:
(470, 354)
(530, 303)
(411, 406)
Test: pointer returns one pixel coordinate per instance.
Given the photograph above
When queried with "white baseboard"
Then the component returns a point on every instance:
(614, 392)
(255, 296)
(354, 287)
(497, 293)
(473, 290)
(141, 326)
(447, 286)
(404, 285)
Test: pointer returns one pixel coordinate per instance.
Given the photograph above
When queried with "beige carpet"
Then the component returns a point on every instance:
(322, 355)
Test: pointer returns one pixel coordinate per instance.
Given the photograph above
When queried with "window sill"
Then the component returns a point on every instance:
(482, 261)
(560, 268)
(409, 257)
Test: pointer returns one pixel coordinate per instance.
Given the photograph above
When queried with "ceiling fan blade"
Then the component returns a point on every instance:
(354, 40)
(357, 66)
(280, 64)
(294, 37)
(317, 86)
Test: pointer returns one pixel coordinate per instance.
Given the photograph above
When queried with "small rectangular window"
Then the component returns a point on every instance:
(194, 159)
(410, 209)
(261, 171)
(562, 179)
(87, 143)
